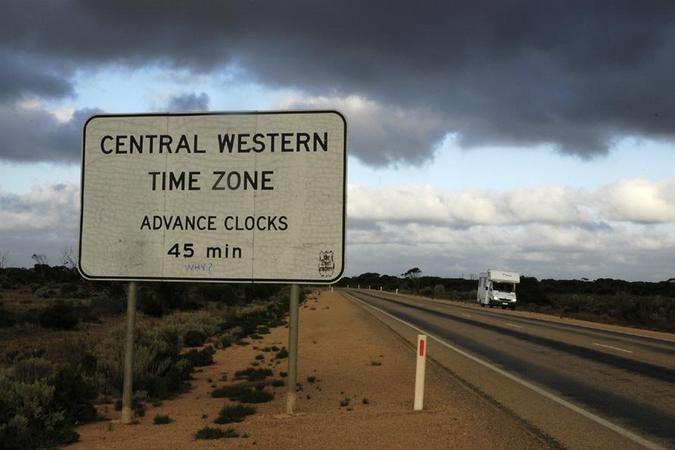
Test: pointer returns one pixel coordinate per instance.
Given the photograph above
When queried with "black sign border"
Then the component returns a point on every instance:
(218, 280)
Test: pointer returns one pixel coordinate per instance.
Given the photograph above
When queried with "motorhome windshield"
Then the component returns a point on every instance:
(503, 287)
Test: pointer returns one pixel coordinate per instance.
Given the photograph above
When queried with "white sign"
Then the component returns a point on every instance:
(250, 197)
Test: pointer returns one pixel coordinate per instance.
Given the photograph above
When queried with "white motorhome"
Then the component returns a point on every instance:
(496, 287)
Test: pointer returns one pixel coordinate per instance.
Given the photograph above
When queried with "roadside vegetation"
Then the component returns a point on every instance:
(636, 304)
(62, 348)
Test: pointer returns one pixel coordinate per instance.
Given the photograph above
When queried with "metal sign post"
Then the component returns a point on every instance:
(127, 413)
(292, 349)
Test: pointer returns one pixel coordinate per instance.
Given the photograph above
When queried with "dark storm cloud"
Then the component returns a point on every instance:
(573, 74)
(22, 75)
(29, 135)
(189, 103)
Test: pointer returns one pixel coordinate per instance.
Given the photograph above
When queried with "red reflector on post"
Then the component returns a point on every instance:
(422, 341)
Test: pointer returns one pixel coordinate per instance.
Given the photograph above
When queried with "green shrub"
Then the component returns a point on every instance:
(47, 291)
(150, 305)
(105, 304)
(32, 370)
(162, 420)
(75, 392)
(252, 374)
(234, 413)
(194, 338)
(244, 393)
(30, 414)
(159, 369)
(283, 353)
(7, 318)
(224, 342)
(200, 358)
(59, 316)
(136, 404)
(68, 289)
(215, 433)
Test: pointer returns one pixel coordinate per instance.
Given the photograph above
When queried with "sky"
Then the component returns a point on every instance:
(528, 136)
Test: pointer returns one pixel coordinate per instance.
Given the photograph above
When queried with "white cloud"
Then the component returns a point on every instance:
(44, 207)
(638, 200)
(549, 231)
(632, 200)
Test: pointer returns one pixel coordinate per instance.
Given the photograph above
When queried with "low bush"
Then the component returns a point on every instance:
(159, 369)
(136, 405)
(216, 433)
(7, 318)
(162, 420)
(224, 342)
(59, 316)
(48, 291)
(283, 353)
(234, 413)
(150, 305)
(105, 304)
(194, 338)
(40, 402)
(253, 374)
(244, 393)
(200, 358)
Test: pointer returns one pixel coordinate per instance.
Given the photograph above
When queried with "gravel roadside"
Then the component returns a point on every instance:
(357, 380)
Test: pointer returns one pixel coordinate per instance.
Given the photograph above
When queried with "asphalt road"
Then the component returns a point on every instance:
(578, 386)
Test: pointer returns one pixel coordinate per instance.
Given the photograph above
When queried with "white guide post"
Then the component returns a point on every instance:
(420, 371)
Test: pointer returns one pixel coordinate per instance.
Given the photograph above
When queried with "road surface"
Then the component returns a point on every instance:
(578, 386)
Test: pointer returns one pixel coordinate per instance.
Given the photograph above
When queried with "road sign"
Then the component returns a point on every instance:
(250, 197)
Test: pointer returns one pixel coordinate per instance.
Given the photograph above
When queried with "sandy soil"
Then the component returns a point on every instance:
(352, 356)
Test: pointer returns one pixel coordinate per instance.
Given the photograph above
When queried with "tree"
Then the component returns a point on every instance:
(413, 273)
(69, 258)
(39, 259)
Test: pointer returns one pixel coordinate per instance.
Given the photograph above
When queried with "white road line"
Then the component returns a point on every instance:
(613, 348)
(589, 415)
(513, 325)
